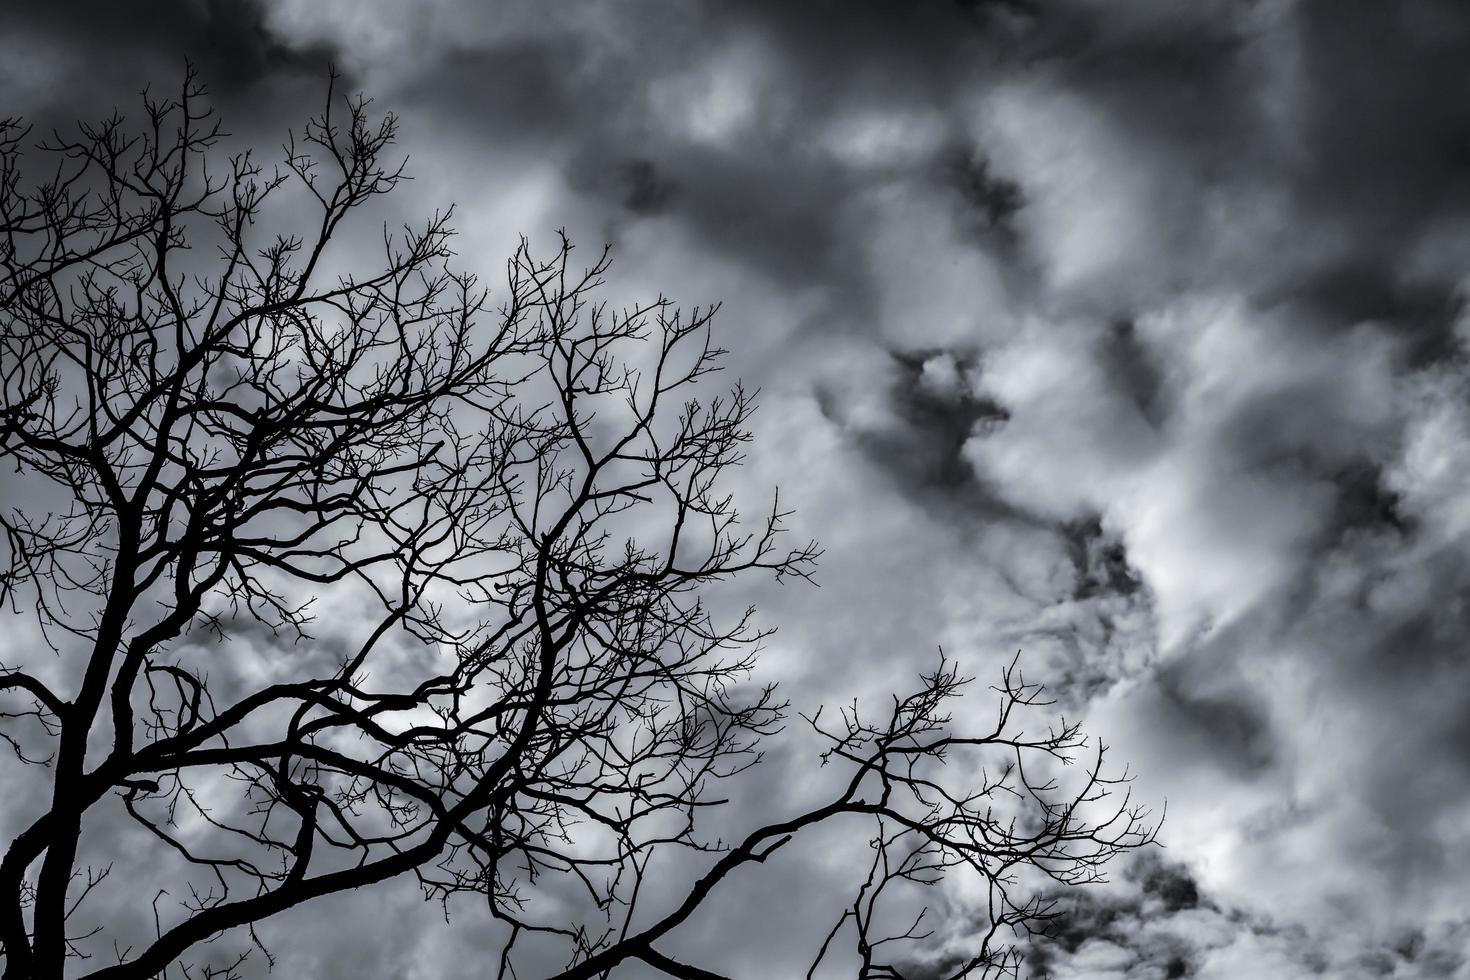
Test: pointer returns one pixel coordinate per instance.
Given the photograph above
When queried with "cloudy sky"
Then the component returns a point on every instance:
(1126, 333)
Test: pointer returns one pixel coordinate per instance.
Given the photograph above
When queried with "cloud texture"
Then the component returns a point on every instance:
(1131, 335)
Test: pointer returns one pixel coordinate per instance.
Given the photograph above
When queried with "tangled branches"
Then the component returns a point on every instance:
(516, 514)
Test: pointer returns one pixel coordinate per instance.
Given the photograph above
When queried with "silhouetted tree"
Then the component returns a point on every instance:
(212, 420)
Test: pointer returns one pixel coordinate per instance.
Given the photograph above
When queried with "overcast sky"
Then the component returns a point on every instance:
(1126, 333)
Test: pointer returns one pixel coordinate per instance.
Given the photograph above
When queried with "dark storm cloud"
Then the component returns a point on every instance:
(1371, 156)
(788, 236)
(1352, 291)
(645, 189)
(109, 51)
(990, 202)
(769, 206)
(1136, 371)
(1365, 501)
(773, 199)
(1164, 927)
(1100, 562)
(934, 414)
(1221, 716)
(1387, 88)
(1164, 884)
(874, 49)
(524, 91)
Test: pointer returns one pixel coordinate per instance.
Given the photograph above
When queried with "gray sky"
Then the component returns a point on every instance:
(1126, 334)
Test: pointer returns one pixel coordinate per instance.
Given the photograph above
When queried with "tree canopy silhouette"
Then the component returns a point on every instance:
(225, 410)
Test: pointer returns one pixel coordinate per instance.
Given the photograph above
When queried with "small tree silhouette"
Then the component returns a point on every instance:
(207, 430)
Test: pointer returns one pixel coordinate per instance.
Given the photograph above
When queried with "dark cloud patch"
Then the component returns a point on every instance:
(767, 212)
(1388, 117)
(637, 187)
(1169, 882)
(940, 416)
(1160, 925)
(774, 208)
(1222, 718)
(1102, 626)
(1364, 501)
(1362, 139)
(645, 189)
(876, 50)
(770, 196)
(1100, 560)
(1136, 371)
(512, 93)
(1026, 10)
(1158, 889)
(1302, 431)
(1421, 313)
(989, 202)
(113, 50)
(932, 413)
(1176, 63)
(1432, 958)
(1353, 293)
(1167, 74)
(1086, 918)
(1421, 642)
